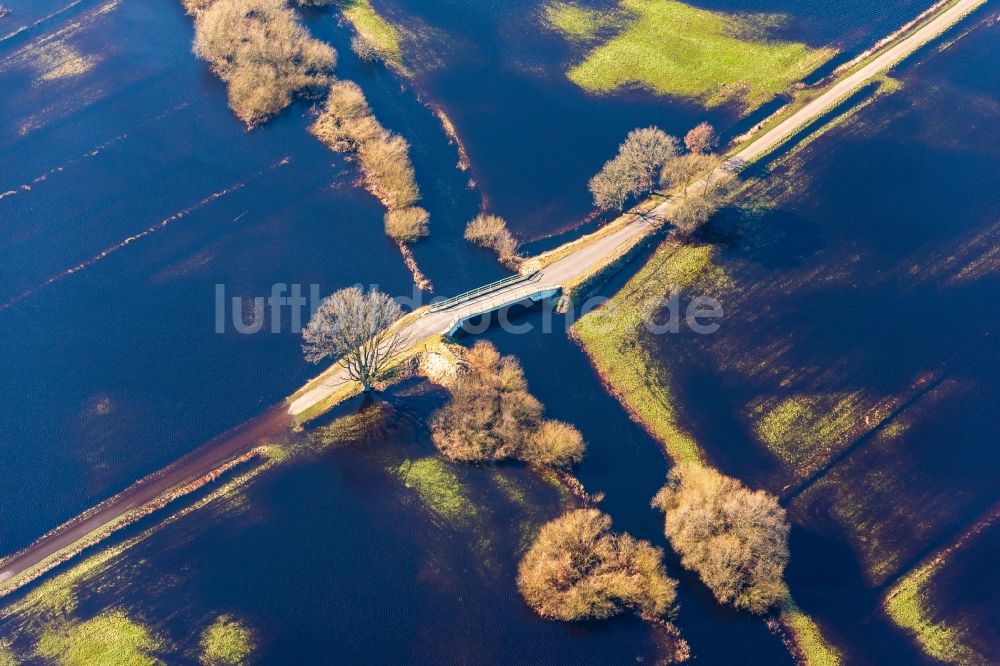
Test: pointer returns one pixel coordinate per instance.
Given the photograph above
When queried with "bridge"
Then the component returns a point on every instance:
(571, 264)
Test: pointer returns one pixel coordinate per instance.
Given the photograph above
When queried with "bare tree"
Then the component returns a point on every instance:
(579, 569)
(691, 212)
(617, 180)
(356, 328)
(683, 171)
(701, 139)
(736, 539)
(648, 149)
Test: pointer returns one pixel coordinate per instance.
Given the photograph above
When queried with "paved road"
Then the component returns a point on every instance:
(579, 263)
(560, 272)
(574, 265)
(850, 84)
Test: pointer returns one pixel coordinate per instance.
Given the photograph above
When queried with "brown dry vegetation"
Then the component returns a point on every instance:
(407, 224)
(262, 52)
(734, 538)
(491, 231)
(492, 417)
(348, 125)
(578, 569)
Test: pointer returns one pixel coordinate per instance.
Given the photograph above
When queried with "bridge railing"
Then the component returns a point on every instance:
(508, 298)
(485, 289)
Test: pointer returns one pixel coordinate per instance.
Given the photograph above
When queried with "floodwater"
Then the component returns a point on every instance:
(129, 192)
(865, 269)
(533, 137)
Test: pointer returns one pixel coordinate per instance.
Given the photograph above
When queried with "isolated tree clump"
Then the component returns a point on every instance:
(262, 52)
(736, 539)
(356, 327)
(491, 417)
(407, 224)
(636, 168)
(490, 231)
(701, 139)
(347, 124)
(578, 569)
(648, 149)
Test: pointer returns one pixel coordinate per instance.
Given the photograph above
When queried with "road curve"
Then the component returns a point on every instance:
(575, 265)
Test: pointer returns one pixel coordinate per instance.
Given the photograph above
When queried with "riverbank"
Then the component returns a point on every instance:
(613, 338)
(569, 267)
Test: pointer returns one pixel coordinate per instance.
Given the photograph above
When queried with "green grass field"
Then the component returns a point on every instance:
(672, 48)
(609, 336)
(907, 605)
(374, 29)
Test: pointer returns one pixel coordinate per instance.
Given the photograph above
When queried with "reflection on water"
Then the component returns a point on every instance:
(132, 196)
(533, 137)
(854, 370)
(127, 180)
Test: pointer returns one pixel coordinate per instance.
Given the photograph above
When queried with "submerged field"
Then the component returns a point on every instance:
(852, 373)
(499, 72)
(672, 48)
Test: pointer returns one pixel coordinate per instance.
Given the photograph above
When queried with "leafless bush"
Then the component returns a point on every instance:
(262, 52)
(491, 416)
(491, 231)
(736, 539)
(555, 444)
(578, 569)
(406, 224)
(385, 163)
(348, 125)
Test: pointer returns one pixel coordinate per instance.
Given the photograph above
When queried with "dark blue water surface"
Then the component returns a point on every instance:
(534, 137)
(134, 193)
(112, 366)
(867, 264)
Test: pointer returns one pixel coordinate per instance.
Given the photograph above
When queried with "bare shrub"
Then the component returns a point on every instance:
(617, 180)
(701, 138)
(736, 539)
(491, 416)
(347, 120)
(483, 229)
(406, 224)
(555, 444)
(491, 231)
(578, 569)
(385, 163)
(347, 124)
(262, 52)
